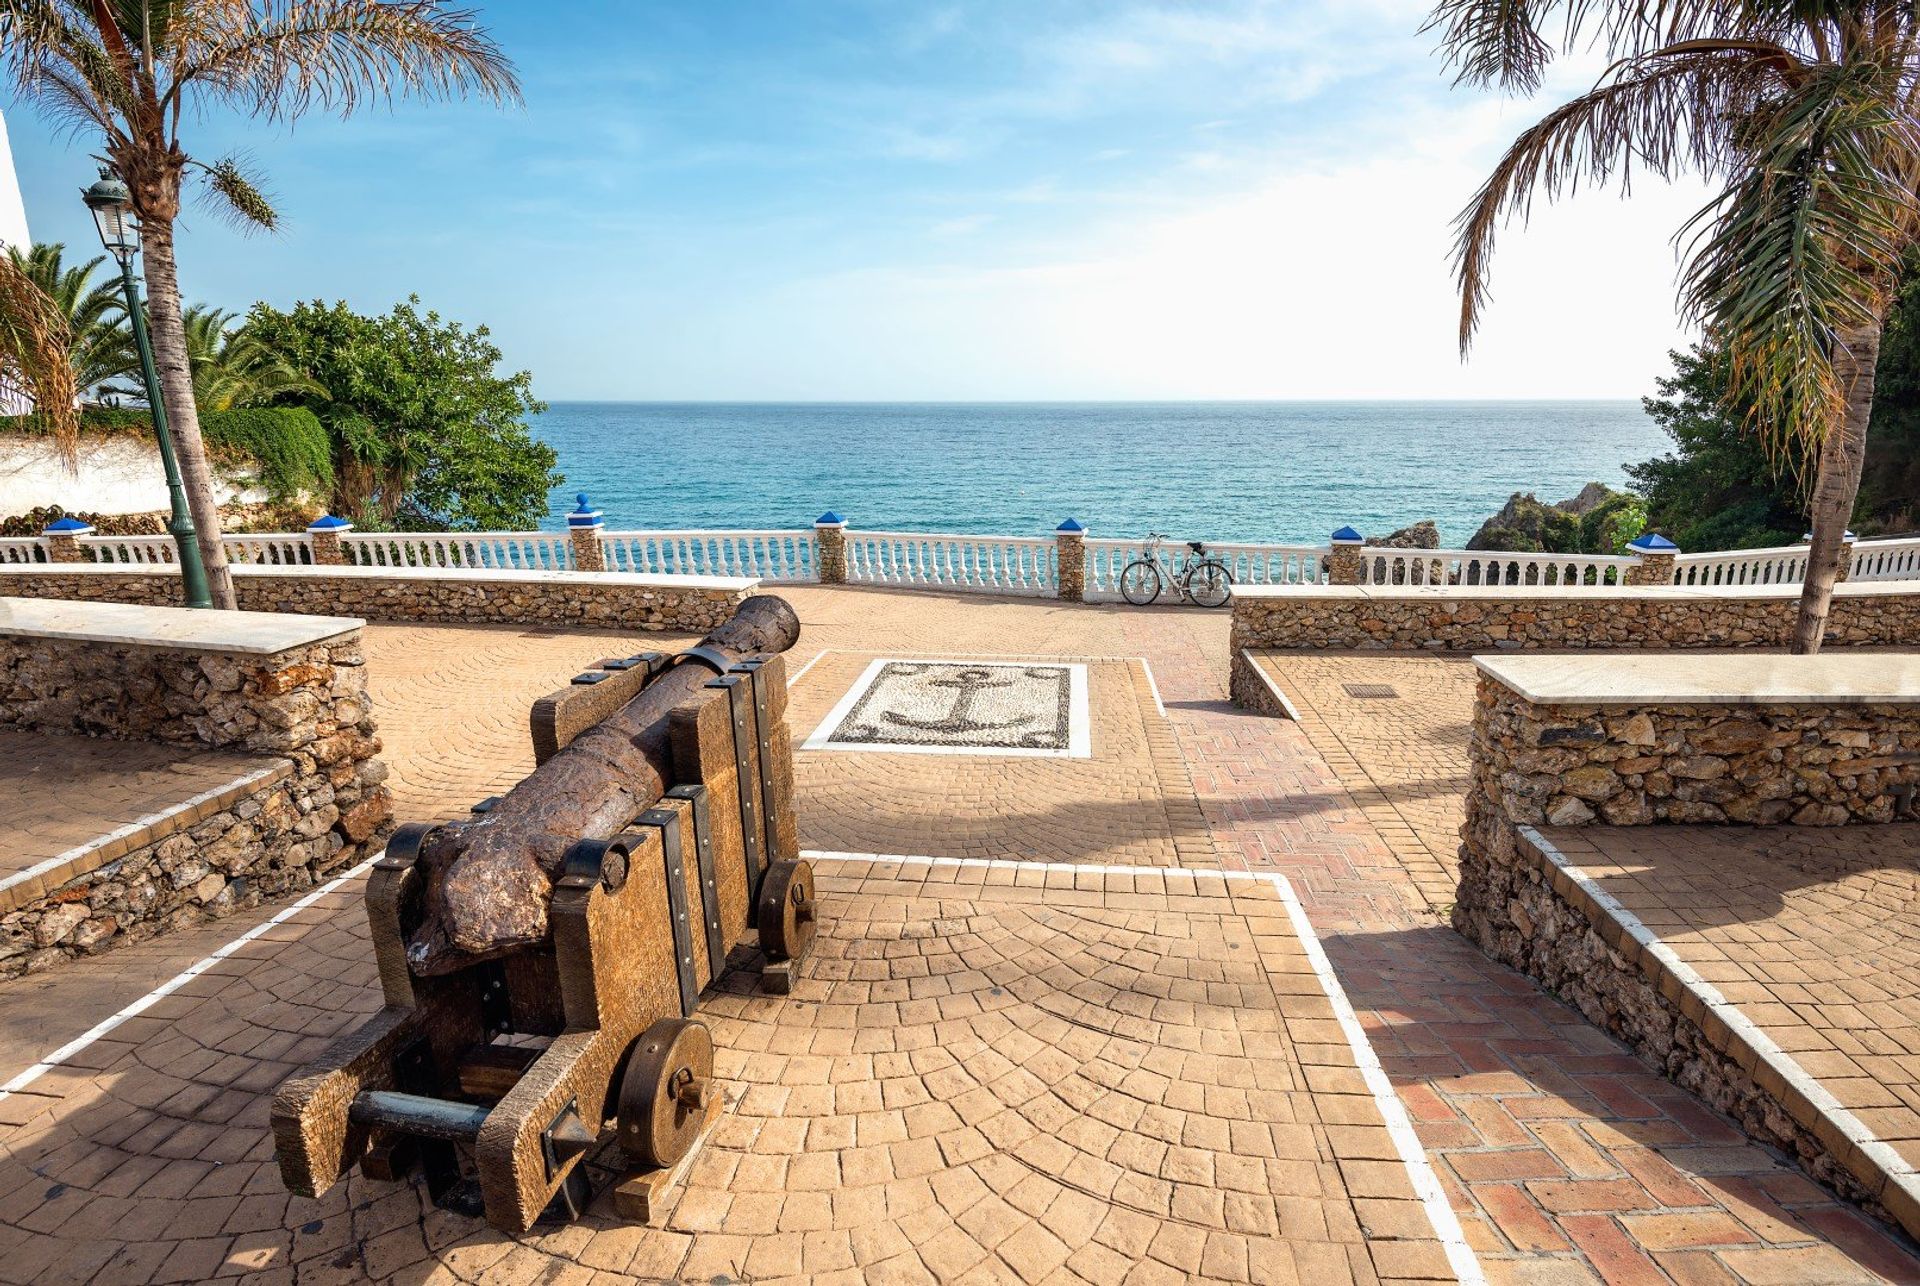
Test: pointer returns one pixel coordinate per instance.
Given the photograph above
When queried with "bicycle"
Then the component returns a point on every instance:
(1201, 579)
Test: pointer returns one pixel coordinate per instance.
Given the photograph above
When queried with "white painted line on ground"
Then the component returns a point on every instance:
(1153, 686)
(1896, 1167)
(801, 673)
(1426, 1184)
(173, 984)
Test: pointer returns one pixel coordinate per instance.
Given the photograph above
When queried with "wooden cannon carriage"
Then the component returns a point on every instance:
(497, 1080)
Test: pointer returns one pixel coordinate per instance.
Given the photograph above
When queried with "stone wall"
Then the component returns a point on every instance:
(681, 603)
(1552, 761)
(1484, 620)
(306, 708)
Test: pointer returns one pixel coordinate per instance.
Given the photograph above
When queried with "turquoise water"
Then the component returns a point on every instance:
(1236, 471)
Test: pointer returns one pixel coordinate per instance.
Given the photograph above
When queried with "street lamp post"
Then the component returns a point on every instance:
(111, 204)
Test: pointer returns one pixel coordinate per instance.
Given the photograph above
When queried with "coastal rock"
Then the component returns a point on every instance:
(1421, 535)
(1526, 523)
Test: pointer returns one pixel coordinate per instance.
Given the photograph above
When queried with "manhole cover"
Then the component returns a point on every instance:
(1370, 691)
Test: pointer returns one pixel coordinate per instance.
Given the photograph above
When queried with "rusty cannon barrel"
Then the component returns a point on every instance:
(489, 880)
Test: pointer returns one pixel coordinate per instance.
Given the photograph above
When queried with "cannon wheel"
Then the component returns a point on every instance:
(663, 1095)
(787, 910)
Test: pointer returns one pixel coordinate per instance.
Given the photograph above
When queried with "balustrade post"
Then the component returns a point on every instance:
(325, 532)
(831, 530)
(63, 540)
(1655, 556)
(1070, 537)
(1345, 563)
(583, 533)
(1846, 554)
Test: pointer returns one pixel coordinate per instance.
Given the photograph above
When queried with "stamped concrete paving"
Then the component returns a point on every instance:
(65, 791)
(1564, 1157)
(1812, 933)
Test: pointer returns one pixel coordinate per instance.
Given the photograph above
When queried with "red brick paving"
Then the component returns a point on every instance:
(1566, 1159)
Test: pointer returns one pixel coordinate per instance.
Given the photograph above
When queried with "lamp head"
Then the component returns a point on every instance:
(112, 206)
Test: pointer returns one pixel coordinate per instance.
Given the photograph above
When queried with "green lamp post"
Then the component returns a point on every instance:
(112, 207)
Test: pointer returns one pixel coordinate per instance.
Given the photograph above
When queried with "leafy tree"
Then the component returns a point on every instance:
(424, 431)
(233, 368)
(1720, 490)
(1803, 114)
(129, 72)
(100, 341)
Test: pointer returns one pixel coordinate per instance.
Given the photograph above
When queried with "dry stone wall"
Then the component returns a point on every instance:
(304, 710)
(557, 598)
(1542, 764)
(1486, 621)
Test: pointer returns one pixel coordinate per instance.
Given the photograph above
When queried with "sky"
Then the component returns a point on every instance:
(972, 201)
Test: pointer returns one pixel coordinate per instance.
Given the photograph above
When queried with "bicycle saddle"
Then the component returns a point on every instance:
(1196, 546)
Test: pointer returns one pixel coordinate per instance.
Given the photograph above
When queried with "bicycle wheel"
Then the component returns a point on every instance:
(1140, 582)
(1210, 584)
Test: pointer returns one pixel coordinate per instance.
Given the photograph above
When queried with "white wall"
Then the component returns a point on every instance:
(117, 475)
(13, 212)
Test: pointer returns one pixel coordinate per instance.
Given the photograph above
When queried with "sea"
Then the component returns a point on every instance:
(1279, 472)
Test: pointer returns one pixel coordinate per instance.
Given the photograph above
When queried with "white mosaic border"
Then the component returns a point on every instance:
(1079, 726)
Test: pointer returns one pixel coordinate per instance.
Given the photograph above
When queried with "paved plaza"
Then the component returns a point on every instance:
(1048, 1048)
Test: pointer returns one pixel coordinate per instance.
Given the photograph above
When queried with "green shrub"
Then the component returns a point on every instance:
(286, 444)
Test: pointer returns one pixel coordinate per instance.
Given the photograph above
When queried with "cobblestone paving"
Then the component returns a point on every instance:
(1401, 756)
(62, 792)
(1130, 803)
(1565, 1158)
(1813, 932)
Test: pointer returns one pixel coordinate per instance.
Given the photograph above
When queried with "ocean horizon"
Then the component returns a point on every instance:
(1267, 471)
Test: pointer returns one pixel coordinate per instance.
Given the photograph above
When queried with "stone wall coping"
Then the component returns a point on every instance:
(1699, 678)
(178, 629)
(480, 575)
(1674, 593)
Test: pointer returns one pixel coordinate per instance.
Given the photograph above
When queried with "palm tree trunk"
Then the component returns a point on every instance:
(183, 418)
(1837, 482)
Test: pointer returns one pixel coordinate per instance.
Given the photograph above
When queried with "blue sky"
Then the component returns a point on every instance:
(849, 199)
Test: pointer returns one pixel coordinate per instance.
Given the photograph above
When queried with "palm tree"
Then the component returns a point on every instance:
(233, 368)
(1802, 113)
(36, 365)
(130, 71)
(96, 313)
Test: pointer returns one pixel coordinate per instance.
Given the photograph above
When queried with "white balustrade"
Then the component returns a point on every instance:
(269, 550)
(129, 549)
(1380, 565)
(1897, 559)
(23, 549)
(1006, 564)
(773, 556)
(1784, 565)
(496, 551)
(1107, 558)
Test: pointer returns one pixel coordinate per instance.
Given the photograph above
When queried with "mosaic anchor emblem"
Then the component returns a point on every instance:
(959, 707)
(957, 721)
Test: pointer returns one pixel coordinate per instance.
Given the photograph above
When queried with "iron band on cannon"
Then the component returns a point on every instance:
(541, 961)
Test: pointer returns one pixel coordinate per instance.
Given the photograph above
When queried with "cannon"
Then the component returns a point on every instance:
(507, 1068)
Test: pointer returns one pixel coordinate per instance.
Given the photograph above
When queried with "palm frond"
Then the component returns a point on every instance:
(1800, 249)
(34, 355)
(1661, 111)
(281, 58)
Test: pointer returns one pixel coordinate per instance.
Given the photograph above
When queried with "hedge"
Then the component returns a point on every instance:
(287, 443)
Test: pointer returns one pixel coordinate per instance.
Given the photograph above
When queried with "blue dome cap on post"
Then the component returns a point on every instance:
(67, 527)
(829, 519)
(585, 515)
(1348, 536)
(1071, 525)
(327, 522)
(1652, 542)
